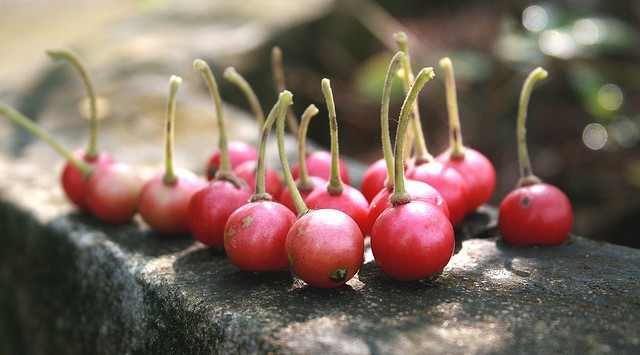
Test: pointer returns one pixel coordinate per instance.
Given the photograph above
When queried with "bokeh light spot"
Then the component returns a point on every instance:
(595, 136)
(610, 97)
(557, 44)
(535, 18)
(625, 132)
(585, 32)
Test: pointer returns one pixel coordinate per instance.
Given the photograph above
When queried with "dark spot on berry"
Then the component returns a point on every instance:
(524, 201)
(338, 275)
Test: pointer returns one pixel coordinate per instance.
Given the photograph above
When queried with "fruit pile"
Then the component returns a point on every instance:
(315, 223)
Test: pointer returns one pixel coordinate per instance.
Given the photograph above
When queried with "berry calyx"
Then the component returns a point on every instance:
(164, 199)
(472, 165)
(535, 212)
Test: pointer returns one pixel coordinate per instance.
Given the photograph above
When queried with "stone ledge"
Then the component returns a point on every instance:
(73, 285)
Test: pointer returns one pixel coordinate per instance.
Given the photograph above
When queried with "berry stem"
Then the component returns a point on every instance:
(225, 171)
(280, 84)
(236, 79)
(301, 207)
(63, 54)
(526, 172)
(35, 129)
(422, 154)
(387, 151)
(284, 100)
(170, 177)
(335, 185)
(400, 194)
(304, 181)
(455, 133)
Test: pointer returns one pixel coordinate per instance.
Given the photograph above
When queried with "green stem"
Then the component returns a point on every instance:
(400, 194)
(236, 79)
(225, 171)
(170, 177)
(280, 84)
(387, 152)
(63, 54)
(301, 207)
(455, 132)
(35, 129)
(304, 181)
(335, 185)
(422, 154)
(526, 172)
(261, 189)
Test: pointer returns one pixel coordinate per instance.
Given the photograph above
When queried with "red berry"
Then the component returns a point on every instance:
(374, 179)
(210, 208)
(112, 193)
(255, 235)
(535, 214)
(73, 181)
(286, 199)
(319, 164)
(474, 167)
(349, 201)
(212, 205)
(419, 191)
(164, 200)
(165, 207)
(448, 182)
(412, 241)
(338, 195)
(247, 172)
(477, 171)
(239, 152)
(325, 248)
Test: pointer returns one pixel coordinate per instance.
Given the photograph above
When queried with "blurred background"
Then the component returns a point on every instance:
(583, 120)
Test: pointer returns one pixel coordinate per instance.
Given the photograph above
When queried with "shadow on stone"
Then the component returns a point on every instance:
(132, 237)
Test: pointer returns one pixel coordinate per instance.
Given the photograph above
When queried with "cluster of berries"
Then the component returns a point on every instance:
(317, 222)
